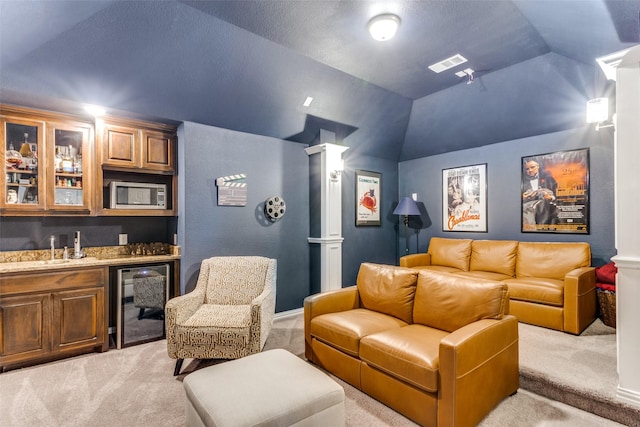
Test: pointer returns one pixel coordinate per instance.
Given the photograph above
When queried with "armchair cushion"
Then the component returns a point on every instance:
(450, 252)
(449, 302)
(235, 280)
(387, 289)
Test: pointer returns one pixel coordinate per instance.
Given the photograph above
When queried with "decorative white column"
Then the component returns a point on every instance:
(627, 188)
(330, 239)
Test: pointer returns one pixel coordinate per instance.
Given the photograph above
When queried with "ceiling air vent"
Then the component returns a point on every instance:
(456, 59)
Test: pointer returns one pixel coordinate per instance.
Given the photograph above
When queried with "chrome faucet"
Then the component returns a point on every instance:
(53, 247)
(77, 252)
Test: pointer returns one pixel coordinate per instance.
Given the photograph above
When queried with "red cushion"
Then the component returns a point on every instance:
(607, 273)
(606, 287)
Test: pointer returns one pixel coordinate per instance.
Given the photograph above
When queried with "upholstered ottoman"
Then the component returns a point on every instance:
(272, 388)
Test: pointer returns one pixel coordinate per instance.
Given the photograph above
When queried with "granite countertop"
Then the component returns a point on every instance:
(36, 260)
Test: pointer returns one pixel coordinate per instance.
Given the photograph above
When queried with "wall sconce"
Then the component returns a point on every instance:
(335, 174)
(598, 112)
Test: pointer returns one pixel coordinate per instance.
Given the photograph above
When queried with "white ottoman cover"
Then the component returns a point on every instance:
(272, 388)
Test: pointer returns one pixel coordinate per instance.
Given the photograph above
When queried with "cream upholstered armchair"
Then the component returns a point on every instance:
(229, 313)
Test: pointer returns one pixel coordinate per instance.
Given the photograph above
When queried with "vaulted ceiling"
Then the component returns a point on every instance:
(250, 65)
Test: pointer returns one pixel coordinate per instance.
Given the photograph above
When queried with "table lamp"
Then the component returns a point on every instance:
(406, 207)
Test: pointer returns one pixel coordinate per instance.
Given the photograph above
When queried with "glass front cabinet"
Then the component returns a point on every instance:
(45, 166)
(24, 172)
(68, 179)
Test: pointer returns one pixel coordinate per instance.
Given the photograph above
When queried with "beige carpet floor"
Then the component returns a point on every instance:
(136, 387)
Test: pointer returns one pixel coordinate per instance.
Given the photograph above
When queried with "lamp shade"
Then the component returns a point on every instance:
(407, 206)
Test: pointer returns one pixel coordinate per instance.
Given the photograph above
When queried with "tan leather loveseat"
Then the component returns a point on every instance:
(550, 284)
(439, 349)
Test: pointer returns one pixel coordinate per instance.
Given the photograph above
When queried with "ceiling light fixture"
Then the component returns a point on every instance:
(95, 110)
(308, 101)
(383, 27)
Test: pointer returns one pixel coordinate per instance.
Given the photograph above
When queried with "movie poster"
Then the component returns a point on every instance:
(464, 198)
(555, 192)
(368, 198)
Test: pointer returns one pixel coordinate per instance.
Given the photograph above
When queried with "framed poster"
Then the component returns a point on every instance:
(464, 198)
(368, 197)
(555, 192)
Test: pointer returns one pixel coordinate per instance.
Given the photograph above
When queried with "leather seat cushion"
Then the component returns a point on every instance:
(387, 289)
(410, 354)
(450, 252)
(343, 330)
(440, 268)
(484, 275)
(537, 290)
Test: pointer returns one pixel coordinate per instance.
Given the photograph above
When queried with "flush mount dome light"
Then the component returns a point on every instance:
(383, 27)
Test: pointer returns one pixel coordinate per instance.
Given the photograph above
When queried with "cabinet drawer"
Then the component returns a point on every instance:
(20, 283)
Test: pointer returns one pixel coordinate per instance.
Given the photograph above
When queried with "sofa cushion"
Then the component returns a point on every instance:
(450, 252)
(344, 329)
(387, 289)
(537, 290)
(449, 302)
(497, 256)
(551, 260)
(410, 353)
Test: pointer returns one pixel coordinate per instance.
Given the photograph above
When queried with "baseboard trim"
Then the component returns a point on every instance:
(629, 396)
(289, 313)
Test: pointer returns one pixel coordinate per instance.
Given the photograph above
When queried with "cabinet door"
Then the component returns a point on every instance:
(25, 324)
(21, 152)
(120, 146)
(68, 166)
(158, 150)
(78, 319)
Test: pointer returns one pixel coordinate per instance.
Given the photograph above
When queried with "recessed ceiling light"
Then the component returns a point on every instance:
(383, 27)
(308, 101)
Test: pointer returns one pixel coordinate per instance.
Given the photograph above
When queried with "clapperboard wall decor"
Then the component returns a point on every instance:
(232, 190)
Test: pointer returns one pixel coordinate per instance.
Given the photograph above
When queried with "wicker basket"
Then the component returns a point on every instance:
(607, 302)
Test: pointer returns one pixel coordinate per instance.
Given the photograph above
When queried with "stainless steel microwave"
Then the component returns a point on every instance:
(137, 195)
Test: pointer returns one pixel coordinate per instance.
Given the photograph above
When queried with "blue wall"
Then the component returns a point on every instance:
(273, 167)
(424, 176)
(368, 244)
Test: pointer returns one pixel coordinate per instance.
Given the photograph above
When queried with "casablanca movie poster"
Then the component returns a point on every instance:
(555, 192)
(464, 201)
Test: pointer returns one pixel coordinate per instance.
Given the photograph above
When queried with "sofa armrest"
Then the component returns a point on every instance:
(478, 368)
(580, 303)
(327, 302)
(415, 260)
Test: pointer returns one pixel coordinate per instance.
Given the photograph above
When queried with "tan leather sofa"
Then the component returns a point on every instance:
(550, 284)
(440, 349)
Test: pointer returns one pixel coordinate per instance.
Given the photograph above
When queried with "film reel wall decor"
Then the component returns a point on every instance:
(274, 208)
